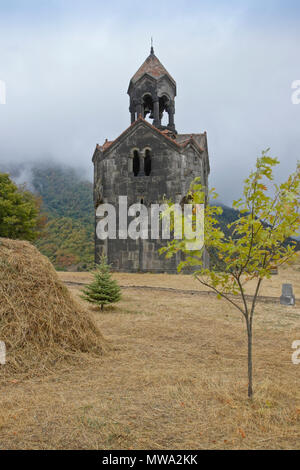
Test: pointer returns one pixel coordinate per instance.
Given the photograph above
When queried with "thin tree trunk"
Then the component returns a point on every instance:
(250, 381)
(249, 320)
(102, 306)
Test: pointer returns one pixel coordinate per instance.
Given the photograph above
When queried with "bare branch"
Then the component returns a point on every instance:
(221, 294)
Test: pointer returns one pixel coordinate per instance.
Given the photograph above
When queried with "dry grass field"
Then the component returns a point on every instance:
(271, 287)
(175, 377)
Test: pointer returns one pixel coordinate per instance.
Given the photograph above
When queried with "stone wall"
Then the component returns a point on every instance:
(172, 171)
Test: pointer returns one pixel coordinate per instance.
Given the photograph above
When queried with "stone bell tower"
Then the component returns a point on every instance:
(148, 162)
(152, 92)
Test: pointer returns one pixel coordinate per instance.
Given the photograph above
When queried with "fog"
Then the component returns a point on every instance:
(67, 65)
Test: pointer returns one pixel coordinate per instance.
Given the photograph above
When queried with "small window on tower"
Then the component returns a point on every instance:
(147, 162)
(136, 163)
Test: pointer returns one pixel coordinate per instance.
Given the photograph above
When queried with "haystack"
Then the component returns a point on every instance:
(40, 323)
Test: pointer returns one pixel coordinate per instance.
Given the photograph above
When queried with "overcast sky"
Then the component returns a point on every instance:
(67, 65)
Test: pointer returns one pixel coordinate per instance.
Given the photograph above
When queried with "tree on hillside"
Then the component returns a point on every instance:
(103, 290)
(66, 224)
(19, 211)
(257, 244)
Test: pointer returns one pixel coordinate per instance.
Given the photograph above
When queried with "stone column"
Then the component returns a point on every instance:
(156, 121)
(171, 116)
(132, 111)
(139, 108)
(142, 164)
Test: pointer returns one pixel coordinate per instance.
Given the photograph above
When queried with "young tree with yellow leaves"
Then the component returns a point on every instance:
(258, 240)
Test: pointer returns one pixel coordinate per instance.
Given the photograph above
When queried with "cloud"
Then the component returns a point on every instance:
(67, 66)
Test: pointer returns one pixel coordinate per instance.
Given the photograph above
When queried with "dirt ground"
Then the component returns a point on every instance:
(176, 377)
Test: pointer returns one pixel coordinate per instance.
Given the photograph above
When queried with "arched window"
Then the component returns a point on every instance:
(136, 163)
(147, 162)
(164, 109)
(148, 106)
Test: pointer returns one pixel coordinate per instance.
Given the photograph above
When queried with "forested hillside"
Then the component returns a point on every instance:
(68, 237)
(67, 199)
(64, 193)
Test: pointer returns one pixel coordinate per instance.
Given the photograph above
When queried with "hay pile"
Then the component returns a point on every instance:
(40, 323)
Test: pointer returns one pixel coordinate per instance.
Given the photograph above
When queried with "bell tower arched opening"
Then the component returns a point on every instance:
(148, 106)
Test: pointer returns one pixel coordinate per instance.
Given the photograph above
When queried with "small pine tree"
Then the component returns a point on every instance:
(103, 290)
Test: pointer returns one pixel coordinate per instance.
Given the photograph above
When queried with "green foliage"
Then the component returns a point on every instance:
(255, 242)
(68, 238)
(68, 243)
(64, 193)
(103, 290)
(66, 213)
(225, 220)
(19, 211)
(226, 217)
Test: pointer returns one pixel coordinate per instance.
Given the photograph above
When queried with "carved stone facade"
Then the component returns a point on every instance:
(147, 163)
